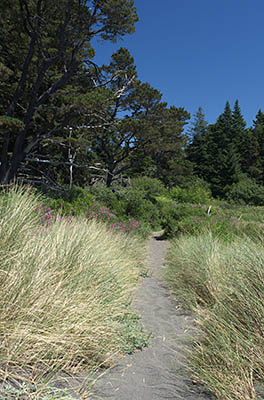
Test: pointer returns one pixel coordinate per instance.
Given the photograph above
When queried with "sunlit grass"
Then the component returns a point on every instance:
(223, 284)
(66, 291)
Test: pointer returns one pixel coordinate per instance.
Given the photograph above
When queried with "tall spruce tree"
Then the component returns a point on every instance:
(197, 148)
(223, 154)
(238, 132)
(198, 125)
(257, 139)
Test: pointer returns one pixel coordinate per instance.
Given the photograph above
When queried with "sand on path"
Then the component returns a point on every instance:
(159, 371)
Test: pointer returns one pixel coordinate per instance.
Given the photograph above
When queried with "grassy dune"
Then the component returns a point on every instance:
(223, 283)
(65, 289)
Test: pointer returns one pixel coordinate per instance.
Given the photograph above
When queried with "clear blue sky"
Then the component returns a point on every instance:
(199, 53)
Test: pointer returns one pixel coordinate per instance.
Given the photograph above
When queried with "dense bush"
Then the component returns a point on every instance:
(195, 194)
(124, 210)
(107, 197)
(134, 201)
(137, 205)
(138, 208)
(150, 187)
(174, 214)
(246, 191)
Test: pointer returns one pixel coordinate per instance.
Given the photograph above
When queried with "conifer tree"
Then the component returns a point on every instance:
(46, 45)
(238, 132)
(197, 149)
(223, 155)
(257, 139)
(238, 122)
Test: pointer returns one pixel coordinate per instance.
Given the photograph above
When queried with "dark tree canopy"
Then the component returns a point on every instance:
(46, 46)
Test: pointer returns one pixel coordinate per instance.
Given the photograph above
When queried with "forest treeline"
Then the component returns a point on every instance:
(229, 156)
(65, 120)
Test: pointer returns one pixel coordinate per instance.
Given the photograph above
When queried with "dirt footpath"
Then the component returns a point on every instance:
(158, 372)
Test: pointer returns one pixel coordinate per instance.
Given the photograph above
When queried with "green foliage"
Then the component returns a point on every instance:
(138, 206)
(73, 202)
(107, 197)
(135, 201)
(199, 125)
(173, 215)
(196, 150)
(218, 151)
(222, 220)
(150, 187)
(11, 123)
(133, 333)
(29, 93)
(116, 210)
(197, 225)
(24, 391)
(194, 194)
(246, 191)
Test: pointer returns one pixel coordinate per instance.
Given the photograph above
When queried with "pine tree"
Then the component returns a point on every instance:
(45, 46)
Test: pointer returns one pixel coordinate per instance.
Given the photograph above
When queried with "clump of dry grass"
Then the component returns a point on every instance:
(65, 290)
(224, 285)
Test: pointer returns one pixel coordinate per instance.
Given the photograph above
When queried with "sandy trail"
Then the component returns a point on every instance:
(157, 372)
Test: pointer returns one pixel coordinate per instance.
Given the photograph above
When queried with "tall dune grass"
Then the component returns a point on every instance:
(65, 291)
(224, 285)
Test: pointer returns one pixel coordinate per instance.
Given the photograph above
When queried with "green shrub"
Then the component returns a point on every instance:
(107, 197)
(174, 214)
(136, 205)
(199, 224)
(222, 220)
(128, 202)
(194, 194)
(150, 187)
(76, 202)
(246, 191)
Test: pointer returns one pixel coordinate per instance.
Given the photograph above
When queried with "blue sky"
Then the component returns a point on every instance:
(199, 53)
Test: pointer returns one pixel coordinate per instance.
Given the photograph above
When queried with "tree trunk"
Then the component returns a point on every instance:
(4, 158)
(109, 177)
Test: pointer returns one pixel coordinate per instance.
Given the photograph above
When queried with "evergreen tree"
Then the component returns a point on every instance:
(257, 139)
(45, 46)
(199, 125)
(223, 128)
(167, 148)
(239, 136)
(238, 122)
(197, 148)
(250, 155)
(223, 154)
(259, 119)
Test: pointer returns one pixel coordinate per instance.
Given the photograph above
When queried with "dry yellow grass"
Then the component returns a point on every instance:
(64, 291)
(223, 283)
